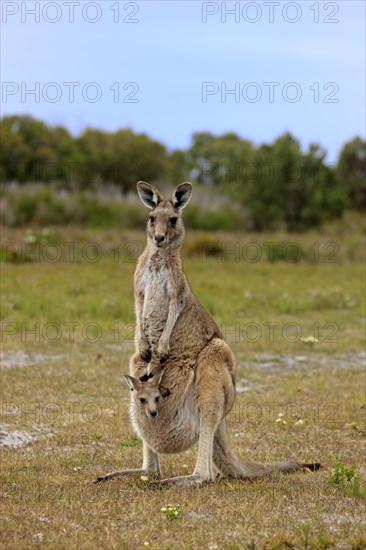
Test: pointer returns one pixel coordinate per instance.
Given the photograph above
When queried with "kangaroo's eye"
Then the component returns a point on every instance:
(156, 399)
(152, 219)
(173, 221)
(142, 400)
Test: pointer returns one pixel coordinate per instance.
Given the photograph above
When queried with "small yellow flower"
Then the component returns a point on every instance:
(280, 420)
(309, 340)
(170, 511)
(300, 422)
(144, 478)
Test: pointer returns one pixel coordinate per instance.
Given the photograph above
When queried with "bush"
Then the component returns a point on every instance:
(22, 207)
(44, 206)
(212, 220)
(202, 244)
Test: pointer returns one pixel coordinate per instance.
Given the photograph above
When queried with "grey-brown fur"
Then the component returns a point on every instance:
(149, 394)
(174, 332)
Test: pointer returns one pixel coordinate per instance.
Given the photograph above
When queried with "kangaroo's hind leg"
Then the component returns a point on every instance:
(150, 466)
(150, 463)
(214, 396)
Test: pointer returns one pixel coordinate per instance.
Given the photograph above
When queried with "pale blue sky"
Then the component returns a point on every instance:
(169, 52)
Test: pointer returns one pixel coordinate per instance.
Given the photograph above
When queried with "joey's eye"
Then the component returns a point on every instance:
(173, 221)
(142, 400)
(156, 399)
(152, 219)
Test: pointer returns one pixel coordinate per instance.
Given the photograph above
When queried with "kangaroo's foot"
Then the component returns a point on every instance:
(186, 481)
(126, 473)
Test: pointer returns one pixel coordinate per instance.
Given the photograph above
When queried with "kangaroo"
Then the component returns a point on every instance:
(148, 394)
(175, 333)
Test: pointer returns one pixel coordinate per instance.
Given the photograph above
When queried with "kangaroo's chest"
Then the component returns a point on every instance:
(155, 282)
(155, 286)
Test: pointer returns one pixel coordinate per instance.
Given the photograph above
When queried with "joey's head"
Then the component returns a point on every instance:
(165, 226)
(148, 394)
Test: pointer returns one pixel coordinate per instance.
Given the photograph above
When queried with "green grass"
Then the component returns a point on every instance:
(68, 395)
(253, 303)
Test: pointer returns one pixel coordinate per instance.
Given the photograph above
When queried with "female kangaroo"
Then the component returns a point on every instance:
(199, 370)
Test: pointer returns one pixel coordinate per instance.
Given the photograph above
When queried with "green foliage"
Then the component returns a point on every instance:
(197, 217)
(345, 478)
(171, 512)
(35, 152)
(281, 251)
(41, 206)
(277, 184)
(304, 530)
(331, 298)
(120, 158)
(45, 206)
(219, 160)
(130, 443)
(324, 541)
(352, 170)
(43, 237)
(202, 245)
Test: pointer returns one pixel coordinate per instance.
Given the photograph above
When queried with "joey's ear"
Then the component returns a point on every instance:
(182, 195)
(164, 392)
(149, 196)
(157, 375)
(133, 383)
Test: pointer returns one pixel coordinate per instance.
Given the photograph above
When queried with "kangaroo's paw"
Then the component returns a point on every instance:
(145, 355)
(125, 473)
(146, 377)
(163, 351)
(186, 481)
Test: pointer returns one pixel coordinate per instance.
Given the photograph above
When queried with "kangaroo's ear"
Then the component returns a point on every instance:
(149, 196)
(154, 382)
(132, 382)
(182, 195)
(157, 375)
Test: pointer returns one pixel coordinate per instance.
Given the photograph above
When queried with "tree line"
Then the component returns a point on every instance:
(274, 183)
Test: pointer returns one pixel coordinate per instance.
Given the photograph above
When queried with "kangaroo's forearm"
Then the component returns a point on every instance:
(176, 305)
(141, 340)
(139, 302)
(175, 308)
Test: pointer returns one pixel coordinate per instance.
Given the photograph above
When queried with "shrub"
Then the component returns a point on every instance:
(202, 244)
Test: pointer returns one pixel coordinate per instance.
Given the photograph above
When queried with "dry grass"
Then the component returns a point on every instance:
(69, 398)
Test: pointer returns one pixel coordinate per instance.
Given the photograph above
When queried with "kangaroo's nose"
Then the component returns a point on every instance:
(159, 238)
(153, 413)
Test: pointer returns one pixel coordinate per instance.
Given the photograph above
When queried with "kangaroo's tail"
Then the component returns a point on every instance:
(229, 464)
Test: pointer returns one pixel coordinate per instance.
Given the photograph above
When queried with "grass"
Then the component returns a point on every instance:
(64, 389)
